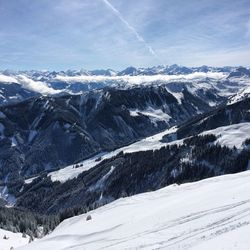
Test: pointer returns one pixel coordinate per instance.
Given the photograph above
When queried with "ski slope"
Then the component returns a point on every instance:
(12, 240)
(209, 214)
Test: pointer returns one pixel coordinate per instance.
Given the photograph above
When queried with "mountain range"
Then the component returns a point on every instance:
(72, 141)
(19, 85)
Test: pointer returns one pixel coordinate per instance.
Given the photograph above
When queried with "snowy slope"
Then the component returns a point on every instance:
(70, 172)
(242, 94)
(13, 240)
(209, 214)
(230, 136)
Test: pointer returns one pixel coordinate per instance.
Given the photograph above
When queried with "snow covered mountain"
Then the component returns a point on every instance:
(188, 152)
(209, 214)
(44, 134)
(72, 141)
(124, 112)
(224, 81)
(222, 116)
(48, 133)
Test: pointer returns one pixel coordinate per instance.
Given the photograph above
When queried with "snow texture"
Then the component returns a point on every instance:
(232, 135)
(155, 115)
(13, 240)
(209, 214)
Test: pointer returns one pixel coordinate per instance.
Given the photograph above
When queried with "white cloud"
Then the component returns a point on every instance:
(27, 83)
(131, 28)
(142, 78)
(7, 79)
(36, 86)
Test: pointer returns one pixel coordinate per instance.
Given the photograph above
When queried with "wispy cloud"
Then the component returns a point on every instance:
(116, 33)
(248, 28)
(131, 28)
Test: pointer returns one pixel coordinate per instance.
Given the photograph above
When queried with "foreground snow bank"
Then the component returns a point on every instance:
(9, 239)
(209, 214)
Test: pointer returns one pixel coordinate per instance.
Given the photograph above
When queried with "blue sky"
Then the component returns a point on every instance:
(63, 34)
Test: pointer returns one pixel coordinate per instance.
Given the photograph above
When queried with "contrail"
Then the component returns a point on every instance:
(132, 29)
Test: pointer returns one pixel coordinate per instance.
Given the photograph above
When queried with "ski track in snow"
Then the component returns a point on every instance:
(209, 214)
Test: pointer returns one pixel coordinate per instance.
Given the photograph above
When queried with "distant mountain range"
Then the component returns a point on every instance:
(75, 140)
(132, 71)
(20, 85)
